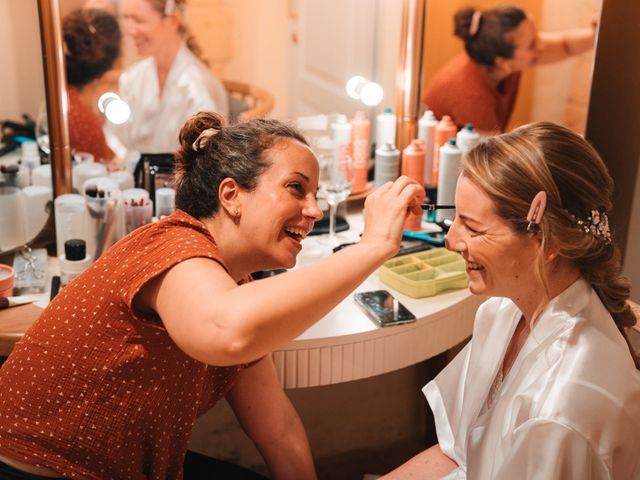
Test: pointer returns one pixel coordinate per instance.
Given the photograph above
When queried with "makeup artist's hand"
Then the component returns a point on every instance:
(386, 210)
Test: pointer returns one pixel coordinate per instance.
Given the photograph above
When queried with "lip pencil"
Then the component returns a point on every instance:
(6, 302)
(433, 206)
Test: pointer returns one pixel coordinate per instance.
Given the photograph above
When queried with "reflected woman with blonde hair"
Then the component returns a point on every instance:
(170, 84)
(548, 387)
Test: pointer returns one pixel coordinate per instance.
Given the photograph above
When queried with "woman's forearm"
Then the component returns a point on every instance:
(561, 45)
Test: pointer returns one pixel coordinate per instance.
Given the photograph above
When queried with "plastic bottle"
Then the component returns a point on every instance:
(413, 167)
(445, 130)
(387, 164)
(426, 132)
(165, 201)
(450, 157)
(386, 128)
(466, 138)
(361, 128)
(341, 138)
(74, 261)
(30, 155)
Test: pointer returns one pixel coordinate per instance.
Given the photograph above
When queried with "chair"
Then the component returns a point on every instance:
(247, 101)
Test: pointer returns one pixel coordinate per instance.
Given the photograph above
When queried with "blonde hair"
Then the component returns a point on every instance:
(181, 6)
(513, 167)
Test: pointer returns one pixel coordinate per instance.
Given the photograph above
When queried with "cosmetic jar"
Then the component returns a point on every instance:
(6, 280)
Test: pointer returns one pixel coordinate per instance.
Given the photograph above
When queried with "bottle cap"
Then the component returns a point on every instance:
(452, 142)
(468, 127)
(428, 115)
(75, 249)
(388, 110)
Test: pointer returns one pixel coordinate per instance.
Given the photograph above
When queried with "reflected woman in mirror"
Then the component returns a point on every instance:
(480, 85)
(548, 386)
(109, 381)
(170, 84)
(91, 48)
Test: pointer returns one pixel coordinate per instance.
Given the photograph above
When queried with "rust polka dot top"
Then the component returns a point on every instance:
(98, 390)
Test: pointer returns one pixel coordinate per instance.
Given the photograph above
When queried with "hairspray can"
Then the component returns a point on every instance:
(450, 157)
(386, 128)
(387, 164)
(466, 138)
(445, 130)
(413, 167)
(341, 138)
(426, 132)
(360, 150)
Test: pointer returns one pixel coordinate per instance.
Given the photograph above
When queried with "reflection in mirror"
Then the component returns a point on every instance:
(555, 64)
(25, 176)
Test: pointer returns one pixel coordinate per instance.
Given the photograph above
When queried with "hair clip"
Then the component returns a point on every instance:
(538, 204)
(474, 26)
(169, 7)
(203, 138)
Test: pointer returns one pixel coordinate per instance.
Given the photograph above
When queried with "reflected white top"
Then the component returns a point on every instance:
(156, 120)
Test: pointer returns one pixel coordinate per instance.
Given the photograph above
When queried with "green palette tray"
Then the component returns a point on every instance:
(425, 274)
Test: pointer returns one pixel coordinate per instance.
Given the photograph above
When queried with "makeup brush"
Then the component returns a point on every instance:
(430, 207)
(6, 302)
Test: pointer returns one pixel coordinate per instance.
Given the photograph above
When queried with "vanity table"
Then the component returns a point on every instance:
(345, 345)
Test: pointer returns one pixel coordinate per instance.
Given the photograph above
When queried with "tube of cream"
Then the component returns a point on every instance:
(6, 302)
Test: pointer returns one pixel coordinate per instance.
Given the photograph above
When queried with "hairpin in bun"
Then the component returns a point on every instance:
(203, 138)
(474, 26)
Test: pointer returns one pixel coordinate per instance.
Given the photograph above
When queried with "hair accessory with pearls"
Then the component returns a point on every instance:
(597, 224)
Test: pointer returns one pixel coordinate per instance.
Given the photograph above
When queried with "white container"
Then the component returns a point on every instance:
(85, 171)
(450, 158)
(34, 206)
(385, 128)
(466, 138)
(426, 131)
(124, 179)
(135, 195)
(341, 137)
(11, 222)
(72, 220)
(74, 261)
(165, 201)
(387, 164)
(41, 176)
(30, 154)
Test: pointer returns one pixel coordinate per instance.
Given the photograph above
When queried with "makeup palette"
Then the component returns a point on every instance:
(425, 274)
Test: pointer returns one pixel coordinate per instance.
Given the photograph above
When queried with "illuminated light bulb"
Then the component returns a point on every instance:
(371, 94)
(354, 84)
(103, 99)
(117, 111)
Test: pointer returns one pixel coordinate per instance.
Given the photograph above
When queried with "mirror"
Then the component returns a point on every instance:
(25, 188)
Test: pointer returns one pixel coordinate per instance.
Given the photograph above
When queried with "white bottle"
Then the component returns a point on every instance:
(30, 155)
(385, 128)
(450, 158)
(387, 164)
(466, 138)
(341, 138)
(74, 261)
(426, 131)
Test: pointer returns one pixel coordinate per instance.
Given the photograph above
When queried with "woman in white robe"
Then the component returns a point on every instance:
(548, 387)
(168, 86)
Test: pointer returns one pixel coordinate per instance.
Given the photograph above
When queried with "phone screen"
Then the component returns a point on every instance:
(383, 308)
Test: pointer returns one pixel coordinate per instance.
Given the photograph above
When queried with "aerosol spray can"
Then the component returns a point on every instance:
(413, 167)
(361, 127)
(445, 130)
(466, 138)
(387, 164)
(426, 131)
(386, 128)
(450, 157)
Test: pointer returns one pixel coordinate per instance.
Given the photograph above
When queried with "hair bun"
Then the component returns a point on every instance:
(194, 127)
(462, 22)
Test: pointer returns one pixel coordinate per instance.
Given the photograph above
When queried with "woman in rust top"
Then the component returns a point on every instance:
(110, 379)
(480, 85)
(92, 46)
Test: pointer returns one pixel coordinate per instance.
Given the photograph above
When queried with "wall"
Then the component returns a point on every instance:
(21, 71)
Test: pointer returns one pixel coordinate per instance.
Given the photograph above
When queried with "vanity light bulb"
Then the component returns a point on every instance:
(104, 98)
(371, 94)
(117, 111)
(354, 84)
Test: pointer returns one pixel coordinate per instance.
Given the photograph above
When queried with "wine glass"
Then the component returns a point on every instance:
(42, 129)
(336, 183)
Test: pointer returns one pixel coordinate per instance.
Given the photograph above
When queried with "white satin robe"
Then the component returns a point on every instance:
(156, 120)
(568, 409)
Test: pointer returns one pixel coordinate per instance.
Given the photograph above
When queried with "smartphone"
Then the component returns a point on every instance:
(383, 308)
